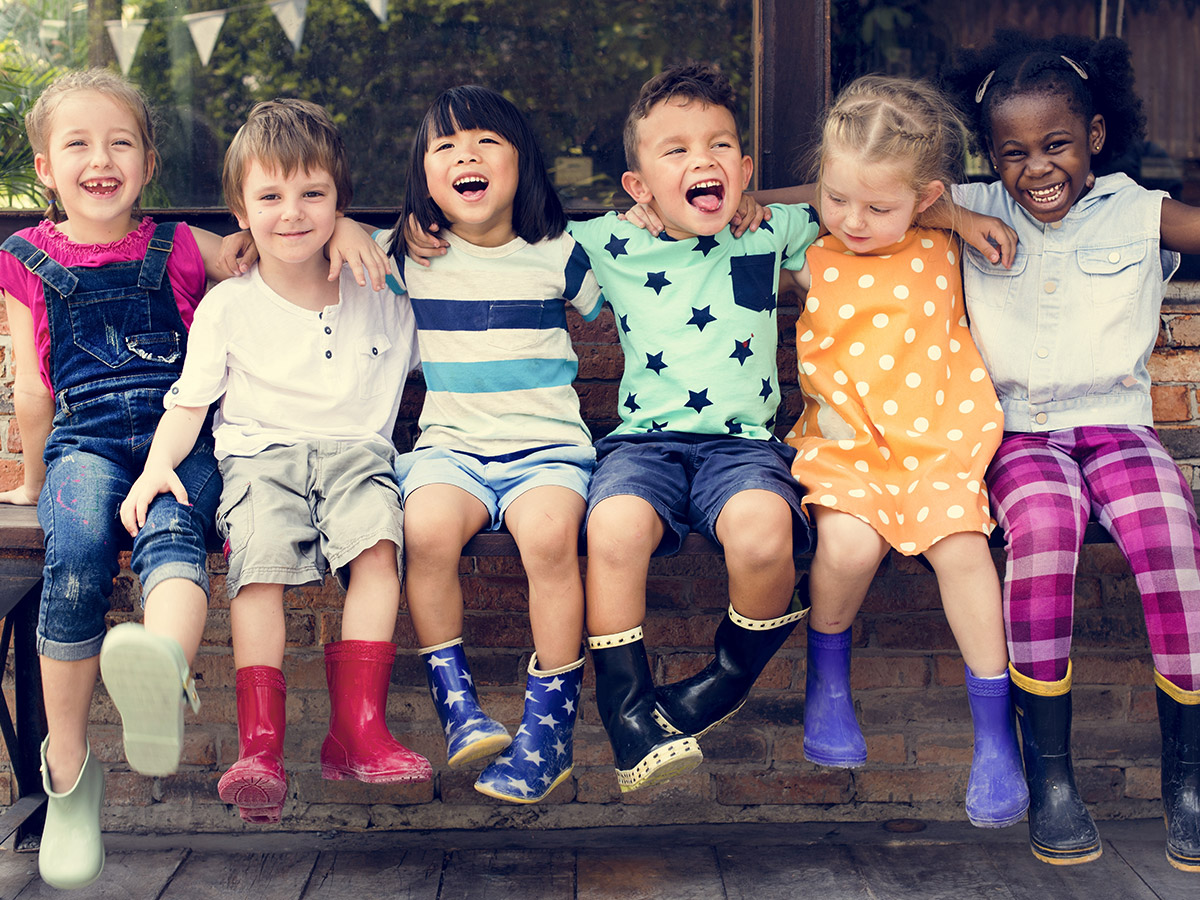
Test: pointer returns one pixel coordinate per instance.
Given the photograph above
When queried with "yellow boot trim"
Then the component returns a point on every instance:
(1041, 688)
(1176, 693)
(604, 641)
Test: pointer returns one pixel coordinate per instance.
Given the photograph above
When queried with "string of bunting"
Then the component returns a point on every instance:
(204, 28)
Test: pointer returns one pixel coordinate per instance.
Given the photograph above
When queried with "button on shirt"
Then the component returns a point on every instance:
(286, 374)
(1067, 332)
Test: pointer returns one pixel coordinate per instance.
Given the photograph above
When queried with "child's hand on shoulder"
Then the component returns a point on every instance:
(351, 245)
(642, 216)
(238, 253)
(990, 236)
(750, 214)
(423, 245)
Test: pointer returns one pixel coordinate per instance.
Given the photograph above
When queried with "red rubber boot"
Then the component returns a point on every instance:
(359, 745)
(256, 784)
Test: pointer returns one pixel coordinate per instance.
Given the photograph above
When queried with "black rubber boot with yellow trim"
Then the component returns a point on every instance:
(743, 647)
(1061, 830)
(644, 752)
(1179, 718)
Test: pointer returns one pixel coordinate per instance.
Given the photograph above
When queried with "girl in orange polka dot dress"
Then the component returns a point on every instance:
(900, 423)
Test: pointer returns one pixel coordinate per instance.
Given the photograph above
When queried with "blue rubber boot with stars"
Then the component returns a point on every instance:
(541, 757)
(470, 733)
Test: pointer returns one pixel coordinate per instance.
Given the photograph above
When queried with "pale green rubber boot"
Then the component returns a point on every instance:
(149, 680)
(72, 850)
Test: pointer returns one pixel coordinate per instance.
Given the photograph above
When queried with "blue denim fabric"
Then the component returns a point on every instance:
(688, 479)
(116, 344)
(1067, 332)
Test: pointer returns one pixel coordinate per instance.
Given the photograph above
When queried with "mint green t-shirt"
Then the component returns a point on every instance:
(697, 320)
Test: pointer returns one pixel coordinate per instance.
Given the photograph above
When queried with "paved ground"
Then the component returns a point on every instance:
(822, 861)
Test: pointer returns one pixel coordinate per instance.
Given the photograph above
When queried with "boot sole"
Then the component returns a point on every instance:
(1183, 863)
(511, 798)
(671, 729)
(667, 761)
(1068, 857)
(415, 775)
(835, 762)
(998, 823)
(255, 794)
(143, 680)
(480, 749)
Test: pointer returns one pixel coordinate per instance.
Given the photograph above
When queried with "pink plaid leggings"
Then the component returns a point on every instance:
(1043, 488)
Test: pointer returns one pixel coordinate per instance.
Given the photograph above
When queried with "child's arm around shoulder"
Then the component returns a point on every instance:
(33, 402)
(1179, 226)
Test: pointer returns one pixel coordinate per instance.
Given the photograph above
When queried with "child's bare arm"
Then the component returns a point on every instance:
(1180, 226)
(173, 441)
(351, 245)
(33, 402)
(990, 236)
(224, 257)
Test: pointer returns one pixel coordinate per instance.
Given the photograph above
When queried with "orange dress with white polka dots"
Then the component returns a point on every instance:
(900, 418)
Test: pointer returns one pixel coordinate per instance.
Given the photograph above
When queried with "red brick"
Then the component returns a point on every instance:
(888, 671)
(1177, 366)
(910, 784)
(1143, 782)
(310, 787)
(681, 789)
(945, 748)
(773, 787)
(12, 474)
(13, 443)
(1171, 402)
(1185, 330)
(128, 789)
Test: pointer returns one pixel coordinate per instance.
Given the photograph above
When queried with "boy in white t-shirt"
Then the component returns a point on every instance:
(309, 374)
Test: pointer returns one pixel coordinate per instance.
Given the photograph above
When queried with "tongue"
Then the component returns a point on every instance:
(707, 202)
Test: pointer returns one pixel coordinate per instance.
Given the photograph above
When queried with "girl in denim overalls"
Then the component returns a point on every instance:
(99, 303)
(1066, 333)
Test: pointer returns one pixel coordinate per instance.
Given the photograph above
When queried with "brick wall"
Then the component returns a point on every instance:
(907, 678)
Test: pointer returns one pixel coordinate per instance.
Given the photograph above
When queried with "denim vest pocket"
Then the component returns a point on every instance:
(1112, 273)
(518, 324)
(102, 321)
(754, 281)
(990, 284)
(372, 360)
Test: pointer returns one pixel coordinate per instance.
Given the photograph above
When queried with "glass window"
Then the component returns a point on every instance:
(572, 65)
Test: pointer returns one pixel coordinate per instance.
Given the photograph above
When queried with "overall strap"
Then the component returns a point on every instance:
(154, 266)
(52, 273)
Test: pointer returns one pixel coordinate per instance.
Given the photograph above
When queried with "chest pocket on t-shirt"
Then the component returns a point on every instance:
(519, 324)
(1112, 273)
(372, 363)
(754, 281)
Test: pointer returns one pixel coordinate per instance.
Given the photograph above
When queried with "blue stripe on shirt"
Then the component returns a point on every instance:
(480, 315)
(499, 375)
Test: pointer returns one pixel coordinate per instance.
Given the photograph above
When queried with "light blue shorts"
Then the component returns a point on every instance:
(496, 482)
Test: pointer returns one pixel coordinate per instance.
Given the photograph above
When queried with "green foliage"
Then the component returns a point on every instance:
(572, 65)
(19, 87)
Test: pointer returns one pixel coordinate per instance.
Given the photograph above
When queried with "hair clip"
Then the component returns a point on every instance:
(1076, 66)
(983, 86)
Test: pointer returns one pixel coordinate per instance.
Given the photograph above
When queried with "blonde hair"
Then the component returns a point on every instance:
(289, 135)
(39, 119)
(882, 120)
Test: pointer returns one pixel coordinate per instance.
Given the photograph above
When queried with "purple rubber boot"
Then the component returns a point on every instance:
(997, 795)
(831, 733)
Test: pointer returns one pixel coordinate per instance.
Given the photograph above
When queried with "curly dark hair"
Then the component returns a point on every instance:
(1023, 64)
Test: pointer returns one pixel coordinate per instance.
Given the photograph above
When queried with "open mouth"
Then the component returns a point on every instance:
(1047, 196)
(471, 186)
(102, 186)
(706, 196)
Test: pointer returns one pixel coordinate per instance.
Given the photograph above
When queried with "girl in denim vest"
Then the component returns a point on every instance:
(1066, 333)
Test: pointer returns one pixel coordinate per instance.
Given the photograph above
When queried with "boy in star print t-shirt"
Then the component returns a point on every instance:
(694, 451)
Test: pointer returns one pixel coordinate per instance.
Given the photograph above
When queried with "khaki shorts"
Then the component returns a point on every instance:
(289, 511)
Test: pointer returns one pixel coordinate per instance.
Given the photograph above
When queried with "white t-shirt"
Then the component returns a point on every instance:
(286, 374)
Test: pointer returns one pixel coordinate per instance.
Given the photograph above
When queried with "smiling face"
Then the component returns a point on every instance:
(690, 170)
(97, 164)
(1042, 152)
(866, 206)
(290, 217)
(472, 177)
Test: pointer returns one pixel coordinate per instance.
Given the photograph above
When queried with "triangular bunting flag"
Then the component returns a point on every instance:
(290, 14)
(205, 26)
(125, 36)
(50, 30)
(379, 7)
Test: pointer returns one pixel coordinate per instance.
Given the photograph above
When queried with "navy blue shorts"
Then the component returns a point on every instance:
(688, 478)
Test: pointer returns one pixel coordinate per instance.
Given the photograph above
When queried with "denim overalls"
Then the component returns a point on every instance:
(116, 345)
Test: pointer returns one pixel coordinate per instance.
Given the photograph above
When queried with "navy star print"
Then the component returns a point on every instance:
(616, 246)
(657, 281)
(656, 426)
(741, 351)
(705, 243)
(733, 427)
(654, 362)
(624, 323)
(631, 403)
(697, 400)
(767, 390)
(701, 317)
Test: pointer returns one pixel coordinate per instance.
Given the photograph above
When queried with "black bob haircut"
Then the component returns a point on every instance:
(537, 211)
(1023, 64)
